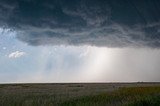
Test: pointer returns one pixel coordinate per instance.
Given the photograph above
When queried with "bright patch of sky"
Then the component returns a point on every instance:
(20, 62)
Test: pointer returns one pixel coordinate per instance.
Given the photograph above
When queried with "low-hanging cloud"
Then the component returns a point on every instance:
(16, 54)
(109, 23)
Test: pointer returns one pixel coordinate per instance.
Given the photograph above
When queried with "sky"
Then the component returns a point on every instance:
(47, 41)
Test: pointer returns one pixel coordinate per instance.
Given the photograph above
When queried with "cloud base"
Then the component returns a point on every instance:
(84, 22)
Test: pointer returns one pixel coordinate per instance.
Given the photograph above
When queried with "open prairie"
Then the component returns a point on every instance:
(80, 94)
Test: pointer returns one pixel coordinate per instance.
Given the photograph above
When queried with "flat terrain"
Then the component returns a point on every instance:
(80, 94)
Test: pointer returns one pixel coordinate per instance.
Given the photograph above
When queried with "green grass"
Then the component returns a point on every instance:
(135, 96)
(34, 95)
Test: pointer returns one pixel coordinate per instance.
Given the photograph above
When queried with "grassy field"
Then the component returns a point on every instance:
(88, 94)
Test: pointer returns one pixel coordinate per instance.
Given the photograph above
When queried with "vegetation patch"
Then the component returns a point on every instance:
(60, 95)
(135, 96)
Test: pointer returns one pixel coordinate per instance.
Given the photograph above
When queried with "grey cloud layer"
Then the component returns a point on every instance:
(110, 23)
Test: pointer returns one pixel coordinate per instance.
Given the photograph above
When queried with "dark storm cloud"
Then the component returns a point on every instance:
(110, 23)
